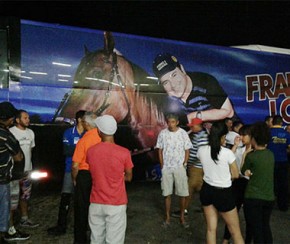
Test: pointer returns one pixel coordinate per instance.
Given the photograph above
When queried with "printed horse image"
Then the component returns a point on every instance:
(107, 83)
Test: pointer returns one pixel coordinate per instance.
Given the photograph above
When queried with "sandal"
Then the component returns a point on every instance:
(165, 225)
(185, 225)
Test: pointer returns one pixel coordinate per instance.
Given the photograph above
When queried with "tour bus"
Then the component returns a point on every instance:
(52, 71)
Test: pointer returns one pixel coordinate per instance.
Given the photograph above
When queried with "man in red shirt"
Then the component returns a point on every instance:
(110, 166)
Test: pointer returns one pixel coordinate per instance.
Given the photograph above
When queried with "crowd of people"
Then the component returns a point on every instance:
(240, 166)
(231, 166)
(95, 173)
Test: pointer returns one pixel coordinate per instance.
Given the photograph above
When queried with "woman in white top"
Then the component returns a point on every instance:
(239, 185)
(216, 196)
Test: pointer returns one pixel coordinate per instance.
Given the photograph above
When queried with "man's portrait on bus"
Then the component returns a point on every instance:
(197, 94)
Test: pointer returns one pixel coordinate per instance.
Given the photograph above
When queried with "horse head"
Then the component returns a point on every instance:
(104, 83)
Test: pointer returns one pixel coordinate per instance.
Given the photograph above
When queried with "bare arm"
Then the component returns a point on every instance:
(160, 155)
(128, 174)
(226, 111)
(74, 172)
(234, 170)
(236, 144)
(186, 157)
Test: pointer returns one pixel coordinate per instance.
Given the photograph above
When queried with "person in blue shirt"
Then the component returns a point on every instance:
(280, 146)
(71, 137)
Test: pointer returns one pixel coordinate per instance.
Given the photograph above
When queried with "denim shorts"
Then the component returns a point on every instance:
(4, 206)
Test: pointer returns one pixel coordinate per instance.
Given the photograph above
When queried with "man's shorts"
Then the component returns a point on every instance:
(25, 188)
(174, 178)
(195, 179)
(14, 194)
(4, 206)
(221, 198)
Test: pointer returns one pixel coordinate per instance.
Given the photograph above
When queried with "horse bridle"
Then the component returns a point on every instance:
(114, 73)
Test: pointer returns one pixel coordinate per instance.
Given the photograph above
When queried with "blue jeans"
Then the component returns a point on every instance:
(4, 207)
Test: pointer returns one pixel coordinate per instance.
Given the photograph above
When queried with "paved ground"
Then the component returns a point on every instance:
(145, 215)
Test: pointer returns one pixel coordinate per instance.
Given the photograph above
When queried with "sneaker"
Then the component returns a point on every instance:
(176, 214)
(56, 230)
(28, 223)
(18, 236)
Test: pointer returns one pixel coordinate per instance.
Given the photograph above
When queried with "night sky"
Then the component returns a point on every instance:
(224, 23)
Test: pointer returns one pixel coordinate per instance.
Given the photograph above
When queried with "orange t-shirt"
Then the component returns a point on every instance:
(89, 139)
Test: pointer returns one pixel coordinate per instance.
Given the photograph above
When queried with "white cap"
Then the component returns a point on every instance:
(230, 138)
(106, 124)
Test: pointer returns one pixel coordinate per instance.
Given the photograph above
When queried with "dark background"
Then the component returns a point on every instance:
(223, 23)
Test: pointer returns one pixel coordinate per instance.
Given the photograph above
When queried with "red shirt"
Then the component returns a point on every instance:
(108, 162)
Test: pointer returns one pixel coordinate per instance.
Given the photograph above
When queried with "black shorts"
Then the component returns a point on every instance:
(221, 198)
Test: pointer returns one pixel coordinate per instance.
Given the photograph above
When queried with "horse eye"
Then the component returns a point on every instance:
(97, 74)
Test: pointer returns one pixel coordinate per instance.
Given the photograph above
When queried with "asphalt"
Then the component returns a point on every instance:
(145, 215)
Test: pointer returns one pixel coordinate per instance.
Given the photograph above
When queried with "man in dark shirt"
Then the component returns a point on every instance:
(10, 152)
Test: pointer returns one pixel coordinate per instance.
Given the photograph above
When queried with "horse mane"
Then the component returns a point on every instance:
(147, 108)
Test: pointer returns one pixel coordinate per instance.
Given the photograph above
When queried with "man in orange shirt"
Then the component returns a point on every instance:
(82, 178)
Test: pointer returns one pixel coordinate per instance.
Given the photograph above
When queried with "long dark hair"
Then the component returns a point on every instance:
(217, 130)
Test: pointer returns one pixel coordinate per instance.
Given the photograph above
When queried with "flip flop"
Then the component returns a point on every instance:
(165, 225)
(184, 225)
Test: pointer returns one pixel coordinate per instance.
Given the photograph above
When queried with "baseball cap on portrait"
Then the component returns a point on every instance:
(106, 124)
(7, 110)
(164, 63)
